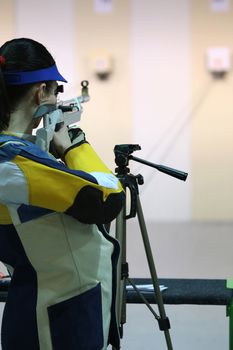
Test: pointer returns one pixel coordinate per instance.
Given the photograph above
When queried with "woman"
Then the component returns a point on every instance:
(62, 291)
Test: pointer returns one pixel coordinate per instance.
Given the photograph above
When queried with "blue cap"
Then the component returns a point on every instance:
(34, 76)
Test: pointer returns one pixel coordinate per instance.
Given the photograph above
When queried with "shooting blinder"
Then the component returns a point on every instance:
(59, 89)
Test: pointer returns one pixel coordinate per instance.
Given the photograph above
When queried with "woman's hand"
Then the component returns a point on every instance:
(61, 140)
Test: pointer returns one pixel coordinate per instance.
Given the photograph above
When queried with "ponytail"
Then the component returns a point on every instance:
(4, 100)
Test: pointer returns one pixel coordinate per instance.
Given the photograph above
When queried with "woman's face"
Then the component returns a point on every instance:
(49, 97)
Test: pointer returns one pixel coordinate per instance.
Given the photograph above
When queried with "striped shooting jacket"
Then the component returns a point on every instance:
(63, 264)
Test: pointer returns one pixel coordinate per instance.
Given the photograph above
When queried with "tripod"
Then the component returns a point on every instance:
(123, 153)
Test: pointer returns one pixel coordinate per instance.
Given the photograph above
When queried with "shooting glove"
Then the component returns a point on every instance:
(76, 135)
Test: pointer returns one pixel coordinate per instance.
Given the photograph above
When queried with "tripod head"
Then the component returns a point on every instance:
(123, 153)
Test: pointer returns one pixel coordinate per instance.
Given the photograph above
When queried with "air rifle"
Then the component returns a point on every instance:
(65, 113)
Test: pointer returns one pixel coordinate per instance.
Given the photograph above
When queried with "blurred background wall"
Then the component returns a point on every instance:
(143, 100)
(161, 96)
(212, 126)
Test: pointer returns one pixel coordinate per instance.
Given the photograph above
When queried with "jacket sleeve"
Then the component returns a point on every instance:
(83, 187)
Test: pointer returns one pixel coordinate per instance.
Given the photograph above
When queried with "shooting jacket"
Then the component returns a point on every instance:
(63, 264)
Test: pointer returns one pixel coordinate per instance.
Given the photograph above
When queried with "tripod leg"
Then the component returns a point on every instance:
(122, 271)
(164, 322)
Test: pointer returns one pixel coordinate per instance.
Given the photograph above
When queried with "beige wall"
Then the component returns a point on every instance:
(212, 128)
(160, 83)
(6, 20)
(107, 117)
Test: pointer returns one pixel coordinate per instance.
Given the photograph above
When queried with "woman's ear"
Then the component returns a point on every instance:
(40, 93)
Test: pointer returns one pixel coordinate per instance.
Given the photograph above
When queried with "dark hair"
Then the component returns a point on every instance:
(20, 55)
